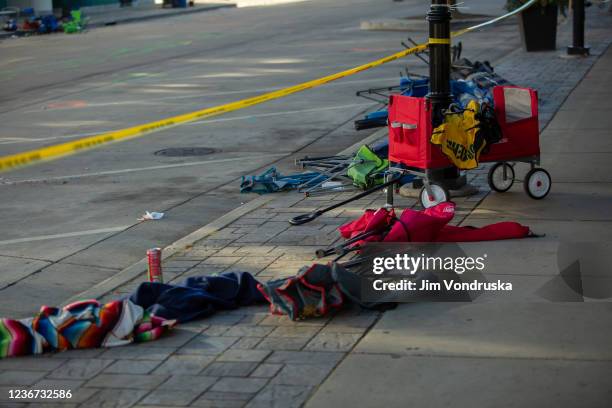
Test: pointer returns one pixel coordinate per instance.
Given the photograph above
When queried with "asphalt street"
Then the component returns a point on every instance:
(71, 223)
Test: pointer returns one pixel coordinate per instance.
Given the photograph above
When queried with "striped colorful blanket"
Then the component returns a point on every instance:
(84, 324)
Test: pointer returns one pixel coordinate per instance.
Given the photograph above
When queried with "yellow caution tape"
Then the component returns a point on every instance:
(64, 149)
(439, 41)
(53, 152)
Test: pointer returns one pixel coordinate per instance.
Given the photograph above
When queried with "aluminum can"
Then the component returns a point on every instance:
(154, 271)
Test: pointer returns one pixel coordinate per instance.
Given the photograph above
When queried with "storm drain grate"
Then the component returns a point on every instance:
(184, 151)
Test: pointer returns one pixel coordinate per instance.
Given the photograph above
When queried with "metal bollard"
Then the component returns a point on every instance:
(439, 95)
(439, 18)
(578, 48)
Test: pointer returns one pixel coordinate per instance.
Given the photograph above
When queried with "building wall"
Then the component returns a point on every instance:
(39, 6)
(89, 5)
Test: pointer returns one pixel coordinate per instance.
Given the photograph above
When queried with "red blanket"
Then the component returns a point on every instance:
(430, 225)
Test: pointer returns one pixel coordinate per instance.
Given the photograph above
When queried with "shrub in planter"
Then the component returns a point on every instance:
(538, 23)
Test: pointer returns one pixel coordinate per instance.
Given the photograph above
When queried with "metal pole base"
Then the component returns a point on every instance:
(573, 50)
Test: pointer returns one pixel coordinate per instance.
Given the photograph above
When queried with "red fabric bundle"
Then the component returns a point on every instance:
(491, 232)
(430, 225)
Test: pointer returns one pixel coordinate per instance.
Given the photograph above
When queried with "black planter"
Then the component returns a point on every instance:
(539, 28)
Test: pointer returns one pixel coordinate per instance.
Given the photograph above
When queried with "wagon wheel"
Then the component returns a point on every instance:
(438, 195)
(501, 177)
(537, 183)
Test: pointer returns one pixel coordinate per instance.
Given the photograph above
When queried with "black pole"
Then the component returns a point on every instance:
(578, 48)
(439, 18)
(439, 95)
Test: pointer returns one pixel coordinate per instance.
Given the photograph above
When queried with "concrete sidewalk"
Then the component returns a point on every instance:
(526, 352)
(522, 352)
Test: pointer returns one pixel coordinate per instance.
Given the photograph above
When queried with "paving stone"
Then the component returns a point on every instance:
(259, 237)
(266, 370)
(351, 323)
(233, 384)
(227, 251)
(228, 396)
(20, 377)
(214, 243)
(80, 369)
(132, 367)
(79, 353)
(51, 384)
(288, 265)
(175, 337)
(253, 265)
(207, 345)
(255, 249)
(244, 222)
(305, 357)
(281, 396)
(132, 381)
(225, 319)
(220, 260)
(188, 382)
(114, 398)
(248, 330)
(12, 404)
(207, 245)
(311, 236)
(216, 330)
(246, 343)
(205, 403)
(184, 364)
(34, 363)
(173, 272)
(275, 320)
(287, 251)
(295, 331)
(283, 343)
(331, 341)
(214, 399)
(171, 397)
(230, 369)
(302, 374)
(259, 214)
(278, 273)
(202, 270)
(176, 263)
(243, 355)
(137, 352)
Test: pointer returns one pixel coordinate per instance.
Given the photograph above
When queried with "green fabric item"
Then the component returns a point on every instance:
(367, 169)
(76, 24)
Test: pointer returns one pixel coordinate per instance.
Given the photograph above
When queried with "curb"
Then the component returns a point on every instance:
(140, 267)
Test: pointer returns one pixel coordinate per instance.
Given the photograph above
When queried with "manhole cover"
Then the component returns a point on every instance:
(184, 151)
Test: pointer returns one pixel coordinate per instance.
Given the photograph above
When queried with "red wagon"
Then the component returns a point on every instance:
(516, 110)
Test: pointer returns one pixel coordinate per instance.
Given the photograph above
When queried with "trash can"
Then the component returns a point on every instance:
(179, 3)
